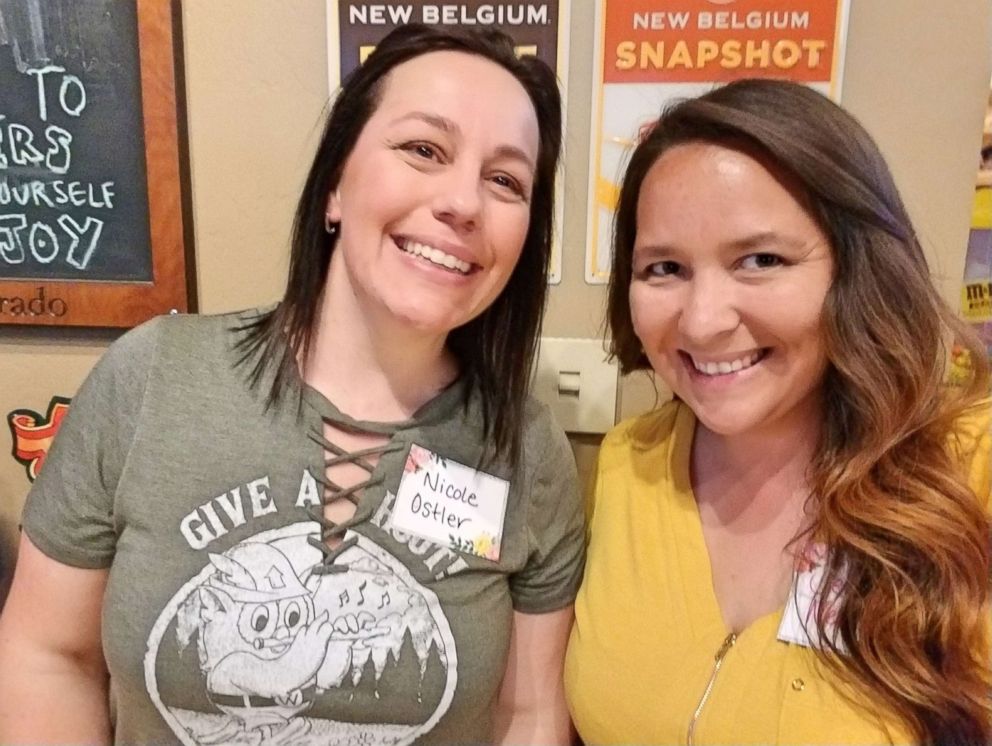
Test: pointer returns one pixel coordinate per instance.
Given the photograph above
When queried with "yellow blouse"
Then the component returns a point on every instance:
(649, 656)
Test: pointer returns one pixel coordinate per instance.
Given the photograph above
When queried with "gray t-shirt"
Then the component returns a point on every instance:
(221, 622)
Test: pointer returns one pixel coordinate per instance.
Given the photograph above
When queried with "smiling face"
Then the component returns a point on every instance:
(434, 199)
(730, 273)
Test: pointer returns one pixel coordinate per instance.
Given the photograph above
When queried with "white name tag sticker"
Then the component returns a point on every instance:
(451, 504)
(798, 624)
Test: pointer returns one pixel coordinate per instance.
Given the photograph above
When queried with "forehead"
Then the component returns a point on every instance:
(449, 71)
(473, 92)
(722, 187)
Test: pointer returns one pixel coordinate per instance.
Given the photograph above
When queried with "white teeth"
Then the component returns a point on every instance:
(436, 256)
(727, 366)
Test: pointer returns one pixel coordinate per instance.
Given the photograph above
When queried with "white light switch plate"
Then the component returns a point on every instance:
(573, 378)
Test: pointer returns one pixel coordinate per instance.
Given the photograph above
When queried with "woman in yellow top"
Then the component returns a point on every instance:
(796, 549)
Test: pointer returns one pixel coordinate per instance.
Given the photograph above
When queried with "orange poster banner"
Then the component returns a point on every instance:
(700, 40)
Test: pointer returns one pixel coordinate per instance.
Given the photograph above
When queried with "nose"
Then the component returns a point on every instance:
(458, 201)
(710, 309)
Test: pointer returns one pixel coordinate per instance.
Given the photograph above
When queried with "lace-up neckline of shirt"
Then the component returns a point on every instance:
(329, 417)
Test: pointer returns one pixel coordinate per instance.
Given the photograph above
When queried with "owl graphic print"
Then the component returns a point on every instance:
(285, 653)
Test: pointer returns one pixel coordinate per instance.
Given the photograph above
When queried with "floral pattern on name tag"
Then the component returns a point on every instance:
(799, 618)
(451, 504)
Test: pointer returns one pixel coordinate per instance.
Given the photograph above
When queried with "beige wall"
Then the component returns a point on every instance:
(917, 74)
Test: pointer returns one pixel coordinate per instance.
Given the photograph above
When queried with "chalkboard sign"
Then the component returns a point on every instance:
(91, 209)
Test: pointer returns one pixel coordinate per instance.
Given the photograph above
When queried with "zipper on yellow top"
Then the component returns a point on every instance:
(728, 643)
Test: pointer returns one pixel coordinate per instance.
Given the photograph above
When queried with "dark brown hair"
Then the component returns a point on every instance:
(496, 349)
(908, 539)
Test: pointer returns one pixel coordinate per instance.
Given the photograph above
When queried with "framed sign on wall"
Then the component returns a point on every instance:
(94, 218)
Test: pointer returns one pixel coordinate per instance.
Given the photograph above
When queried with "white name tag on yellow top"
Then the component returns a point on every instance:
(798, 623)
(451, 504)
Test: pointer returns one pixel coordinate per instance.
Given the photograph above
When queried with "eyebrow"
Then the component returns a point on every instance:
(510, 151)
(435, 120)
(771, 239)
(446, 125)
(750, 242)
(763, 238)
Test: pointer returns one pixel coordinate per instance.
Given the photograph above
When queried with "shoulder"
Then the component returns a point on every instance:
(545, 451)
(972, 440)
(192, 331)
(180, 342)
(635, 458)
(975, 425)
(196, 333)
(540, 429)
(645, 434)
(160, 361)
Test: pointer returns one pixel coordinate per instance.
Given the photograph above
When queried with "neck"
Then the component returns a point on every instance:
(756, 476)
(372, 367)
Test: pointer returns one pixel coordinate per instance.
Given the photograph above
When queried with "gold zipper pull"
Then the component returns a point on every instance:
(728, 643)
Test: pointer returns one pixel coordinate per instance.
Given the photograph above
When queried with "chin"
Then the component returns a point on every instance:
(426, 322)
(726, 422)
(727, 429)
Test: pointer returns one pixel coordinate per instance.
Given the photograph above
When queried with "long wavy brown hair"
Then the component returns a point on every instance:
(909, 540)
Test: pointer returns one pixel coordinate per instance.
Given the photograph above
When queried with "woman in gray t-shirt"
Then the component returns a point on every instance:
(340, 519)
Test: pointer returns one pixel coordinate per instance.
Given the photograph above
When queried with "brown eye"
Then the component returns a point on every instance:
(508, 183)
(423, 150)
(663, 269)
(761, 261)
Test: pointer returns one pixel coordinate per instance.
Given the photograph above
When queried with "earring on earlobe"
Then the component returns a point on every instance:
(329, 225)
